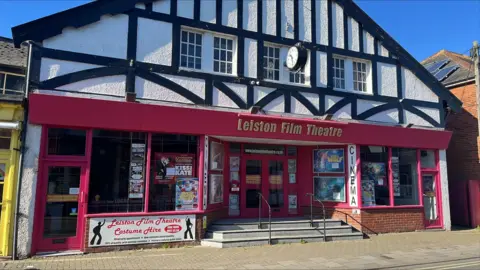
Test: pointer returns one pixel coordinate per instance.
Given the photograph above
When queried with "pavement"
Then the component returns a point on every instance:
(417, 250)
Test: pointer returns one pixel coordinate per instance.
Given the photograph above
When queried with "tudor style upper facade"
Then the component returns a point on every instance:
(230, 55)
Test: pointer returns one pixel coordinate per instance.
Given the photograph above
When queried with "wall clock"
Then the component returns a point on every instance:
(296, 57)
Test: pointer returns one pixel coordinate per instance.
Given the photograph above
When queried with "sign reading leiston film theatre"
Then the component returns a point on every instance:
(140, 230)
(288, 128)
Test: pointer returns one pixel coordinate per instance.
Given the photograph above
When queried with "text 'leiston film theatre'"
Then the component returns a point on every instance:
(148, 121)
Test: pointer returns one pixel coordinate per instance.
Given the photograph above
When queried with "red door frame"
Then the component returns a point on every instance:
(278, 212)
(435, 172)
(71, 243)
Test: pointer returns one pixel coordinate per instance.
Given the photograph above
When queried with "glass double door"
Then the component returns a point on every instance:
(60, 217)
(266, 176)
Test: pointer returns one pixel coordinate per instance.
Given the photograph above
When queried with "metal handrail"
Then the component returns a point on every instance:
(260, 197)
(312, 197)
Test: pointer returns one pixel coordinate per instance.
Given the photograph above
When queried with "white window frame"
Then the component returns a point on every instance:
(283, 71)
(340, 69)
(200, 58)
(360, 85)
(3, 86)
(233, 61)
(349, 75)
(268, 57)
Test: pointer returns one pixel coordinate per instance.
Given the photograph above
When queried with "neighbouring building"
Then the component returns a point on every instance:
(457, 73)
(13, 63)
(149, 120)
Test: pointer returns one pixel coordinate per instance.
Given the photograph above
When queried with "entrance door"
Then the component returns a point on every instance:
(263, 175)
(61, 214)
(433, 216)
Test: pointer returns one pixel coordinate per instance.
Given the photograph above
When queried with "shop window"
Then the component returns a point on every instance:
(68, 142)
(405, 176)
(117, 172)
(172, 168)
(427, 159)
(374, 181)
(5, 137)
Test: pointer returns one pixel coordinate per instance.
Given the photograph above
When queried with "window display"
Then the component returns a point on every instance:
(374, 181)
(405, 176)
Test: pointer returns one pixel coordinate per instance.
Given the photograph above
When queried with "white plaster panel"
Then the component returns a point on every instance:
(149, 90)
(110, 85)
(414, 88)
(107, 37)
(313, 98)
(185, 8)
(80, 95)
(250, 15)
(353, 35)
(331, 100)
(433, 113)
(337, 25)
(207, 52)
(239, 89)
(368, 43)
(51, 68)
(269, 10)
(196, 86)
(276, 105)
(250, 61)
(162, 6)
(344, 113)
(387, 79)
(208, 11)
(229, 13)
(411, 118)
(382, 51)
(287, 24)
(365, 105)
(298, 108)
(321, 11)
(221, 100)
(447, 223)
(27, 197)
(140, 5)
(388, 116)
(322, 76)
(260, 92)
(305, 20)
(154, 42)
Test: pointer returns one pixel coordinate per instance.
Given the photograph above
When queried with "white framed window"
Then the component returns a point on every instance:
(298, 76)
(339, 73)
(360, 76)
(191, 50)
(223, 55)
(271, 62)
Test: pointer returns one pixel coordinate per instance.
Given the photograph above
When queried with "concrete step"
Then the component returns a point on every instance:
(256, 233)
(231, 225)
(260, 241)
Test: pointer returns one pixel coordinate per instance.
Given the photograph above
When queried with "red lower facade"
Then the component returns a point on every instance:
(115, 175)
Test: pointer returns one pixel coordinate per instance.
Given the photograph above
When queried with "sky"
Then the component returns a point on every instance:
(422, 27)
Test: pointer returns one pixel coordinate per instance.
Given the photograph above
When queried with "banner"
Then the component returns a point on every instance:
(186, 194)
(171, 165)
(114, 231)
(328, 161)
(352, 176)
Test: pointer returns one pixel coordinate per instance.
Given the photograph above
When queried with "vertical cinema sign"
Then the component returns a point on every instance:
(352, 175)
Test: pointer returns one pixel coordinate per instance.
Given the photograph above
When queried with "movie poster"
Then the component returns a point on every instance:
(328, 161)
(368, 192)
(186, 194)
(215, 188)
(137, 162)
(169, 166)
(217, 156)
(375, 171)
(329, 188)
(396, 177)
(234, 164)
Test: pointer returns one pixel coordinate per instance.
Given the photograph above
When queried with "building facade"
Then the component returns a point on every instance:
(457, 73)
(12, 79)
(148, 120)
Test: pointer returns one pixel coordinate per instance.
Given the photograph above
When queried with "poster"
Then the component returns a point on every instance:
(368, 192)
(233, 205)
(170, 166)
(328, 161)
(292, 202)
(292, 178)
(292, 165)
(217, 154)
(137, 163)
(234, 176)
(396, 177)
(186, 194)
(2, 171)
(215, 188)
(329, 188)
(374, 171)
(234, 164)
(114, 231)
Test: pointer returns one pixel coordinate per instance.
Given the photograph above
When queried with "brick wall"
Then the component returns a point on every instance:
(393, 220)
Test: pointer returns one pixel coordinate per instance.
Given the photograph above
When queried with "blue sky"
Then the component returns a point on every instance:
(423, 27)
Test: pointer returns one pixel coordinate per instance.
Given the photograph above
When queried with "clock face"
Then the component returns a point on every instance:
(292, 57)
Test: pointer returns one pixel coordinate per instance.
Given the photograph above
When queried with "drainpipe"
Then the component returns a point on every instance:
(23, 139)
